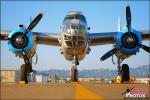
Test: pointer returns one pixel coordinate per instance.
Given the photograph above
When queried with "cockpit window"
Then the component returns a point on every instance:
(74, 27)
(80, 17)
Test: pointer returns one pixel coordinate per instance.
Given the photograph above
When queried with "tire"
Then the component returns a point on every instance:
(74, 74)
(125, 73)
(23, 73)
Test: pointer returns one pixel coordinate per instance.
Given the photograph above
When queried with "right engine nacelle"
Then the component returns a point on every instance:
(128, 42)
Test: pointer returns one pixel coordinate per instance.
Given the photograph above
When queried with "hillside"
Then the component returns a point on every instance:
(142, 71)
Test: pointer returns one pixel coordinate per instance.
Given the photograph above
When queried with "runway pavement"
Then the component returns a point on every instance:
(66, 91)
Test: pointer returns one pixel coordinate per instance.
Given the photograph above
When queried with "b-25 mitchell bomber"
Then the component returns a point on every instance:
(75, 42)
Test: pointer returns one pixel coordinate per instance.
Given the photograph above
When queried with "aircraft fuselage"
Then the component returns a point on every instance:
(74, 36)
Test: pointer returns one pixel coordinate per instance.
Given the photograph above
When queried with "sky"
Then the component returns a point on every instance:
(101, 16)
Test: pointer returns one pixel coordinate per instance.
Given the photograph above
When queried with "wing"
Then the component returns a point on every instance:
(4, 34)
(145, 34)
(40, 37)
(109, 37)
(102, 38)
(47, 38)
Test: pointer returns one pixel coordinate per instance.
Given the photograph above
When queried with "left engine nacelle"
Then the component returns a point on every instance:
(128, 42)
(16, 43)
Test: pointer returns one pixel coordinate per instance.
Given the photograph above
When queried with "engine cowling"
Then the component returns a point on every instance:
(128, 42)
(16, 42)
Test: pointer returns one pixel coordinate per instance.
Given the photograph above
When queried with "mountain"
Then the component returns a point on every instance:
(142, 71)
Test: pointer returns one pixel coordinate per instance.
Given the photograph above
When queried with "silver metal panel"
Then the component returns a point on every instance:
(4, 34)
(102, 38)
(145, 34)
(47, 38)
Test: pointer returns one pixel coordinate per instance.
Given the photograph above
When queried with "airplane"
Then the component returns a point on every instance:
(75, 41)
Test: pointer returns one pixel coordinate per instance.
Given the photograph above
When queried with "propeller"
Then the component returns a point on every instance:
(20, 40)
(33, 23)
(128, 17)
(130, 38)
(30, 27)
(109, 54)
(144, 47)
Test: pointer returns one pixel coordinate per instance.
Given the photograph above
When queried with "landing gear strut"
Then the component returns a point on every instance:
(25, 70)
(118, 66)
(75, 61)
(74, 70)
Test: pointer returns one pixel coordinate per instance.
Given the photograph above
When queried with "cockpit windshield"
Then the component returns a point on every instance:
(74, 27)
(75, 16)
(81, 28)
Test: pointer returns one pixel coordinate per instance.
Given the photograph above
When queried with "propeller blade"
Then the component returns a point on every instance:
(27, 62)
(128, 16)
(144, 47)
(33, 23)
(109, 54)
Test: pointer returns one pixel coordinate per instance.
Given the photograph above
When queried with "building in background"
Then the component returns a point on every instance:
(9, 76)
(143, 80)
(41, 78)
(32, 77)
(53, 78)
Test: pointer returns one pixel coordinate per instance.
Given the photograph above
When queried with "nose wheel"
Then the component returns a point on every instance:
(74, 74)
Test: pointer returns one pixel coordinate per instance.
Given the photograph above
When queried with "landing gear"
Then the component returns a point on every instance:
(118, 66)
(75, 61)
(23, 74)
(74, 74)
(26, 69)
(74, 70)
(125, 74)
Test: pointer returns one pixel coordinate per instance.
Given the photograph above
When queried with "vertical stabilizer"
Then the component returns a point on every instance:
(30, 19)
(119, 24)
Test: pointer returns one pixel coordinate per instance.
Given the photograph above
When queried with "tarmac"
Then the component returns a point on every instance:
(67, 91)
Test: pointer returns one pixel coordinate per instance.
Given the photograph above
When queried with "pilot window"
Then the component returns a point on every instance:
(80, 17)
(74, 27)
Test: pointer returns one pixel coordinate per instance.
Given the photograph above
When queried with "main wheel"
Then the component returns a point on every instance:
(74, 74)
(23, 74)
(125, 73)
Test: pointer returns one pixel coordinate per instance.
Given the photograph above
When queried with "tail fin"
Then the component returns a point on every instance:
(119, 24)
(30, 19)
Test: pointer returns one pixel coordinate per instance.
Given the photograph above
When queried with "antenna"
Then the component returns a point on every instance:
(119, 24)
(30, 19)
